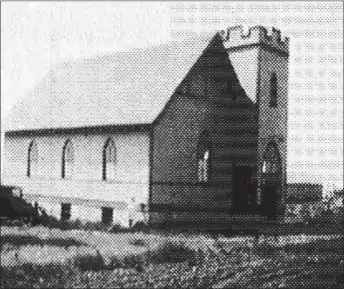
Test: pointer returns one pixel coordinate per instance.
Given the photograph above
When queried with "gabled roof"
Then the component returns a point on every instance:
(123, 88)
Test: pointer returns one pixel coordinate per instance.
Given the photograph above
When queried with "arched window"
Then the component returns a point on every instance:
(271, 161)
(109, 160)
(273, 90)
(67, 160)
(32, 160)
(204, 157)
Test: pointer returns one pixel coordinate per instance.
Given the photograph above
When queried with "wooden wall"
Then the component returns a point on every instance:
(210, 98)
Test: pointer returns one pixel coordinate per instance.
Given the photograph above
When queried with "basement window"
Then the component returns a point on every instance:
(66, 209)
(107, 215)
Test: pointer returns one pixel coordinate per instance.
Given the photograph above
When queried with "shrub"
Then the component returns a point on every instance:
(131, 261)
(137, 242)
(94, 226)
(128, 261)
(75, 225)
(118, 228)
(267, 250)
(115, 263)
(89, 262)
(171, 252)
(53, 222)
(11, 223)
(140, 226)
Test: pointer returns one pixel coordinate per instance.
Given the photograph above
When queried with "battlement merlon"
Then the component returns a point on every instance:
(234, 38)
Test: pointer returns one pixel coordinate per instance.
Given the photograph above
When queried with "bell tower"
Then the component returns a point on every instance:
(260, 60)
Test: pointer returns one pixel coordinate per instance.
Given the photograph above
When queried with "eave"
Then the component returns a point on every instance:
(101, 129)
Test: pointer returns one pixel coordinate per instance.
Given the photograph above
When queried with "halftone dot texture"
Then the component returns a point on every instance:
(315, 90)
(224, 131)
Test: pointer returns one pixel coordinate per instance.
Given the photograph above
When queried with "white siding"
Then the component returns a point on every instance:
(131, 180)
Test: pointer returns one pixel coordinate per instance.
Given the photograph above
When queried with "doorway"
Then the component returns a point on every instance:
(269, 201)
(243, 189)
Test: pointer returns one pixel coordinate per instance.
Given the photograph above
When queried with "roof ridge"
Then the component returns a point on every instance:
(73, 93)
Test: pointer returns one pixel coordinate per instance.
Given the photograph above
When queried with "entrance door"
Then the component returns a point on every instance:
(241, 188)
(269, 201)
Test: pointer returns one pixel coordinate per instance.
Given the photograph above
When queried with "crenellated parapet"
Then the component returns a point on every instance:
(235, 38)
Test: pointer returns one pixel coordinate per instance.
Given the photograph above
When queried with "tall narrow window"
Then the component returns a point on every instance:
(109, 160)
(67, 160)
(203, 158)
(32, 160)
(273, 90)
(203, 167)
(271, 162)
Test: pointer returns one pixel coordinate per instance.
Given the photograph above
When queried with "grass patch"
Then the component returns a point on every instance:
(97, 263)
(313, 247)
(318, 246)
(35, 276)
(169, 263)
(171, 252)
(20, 240)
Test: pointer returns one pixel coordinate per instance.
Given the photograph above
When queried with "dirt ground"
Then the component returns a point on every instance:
(41, 257)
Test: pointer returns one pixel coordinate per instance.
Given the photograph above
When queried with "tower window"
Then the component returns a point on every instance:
(273, 90)
(67, 160)
(32, 160)
(109, 160)
(203, 158)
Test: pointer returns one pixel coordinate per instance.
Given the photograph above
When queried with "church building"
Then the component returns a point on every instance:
(191, 132)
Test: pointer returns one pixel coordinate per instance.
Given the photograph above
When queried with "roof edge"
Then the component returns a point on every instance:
(125, 128)
(176, 89)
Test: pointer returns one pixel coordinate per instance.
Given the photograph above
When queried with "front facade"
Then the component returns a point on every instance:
(215, 150)
(219, 147)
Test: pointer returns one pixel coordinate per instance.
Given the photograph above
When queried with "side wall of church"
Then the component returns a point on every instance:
(86, 191)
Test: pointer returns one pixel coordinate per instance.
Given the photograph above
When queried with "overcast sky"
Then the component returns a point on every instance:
(37, 35)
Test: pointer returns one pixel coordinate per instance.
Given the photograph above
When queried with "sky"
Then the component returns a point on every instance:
(38, 35)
